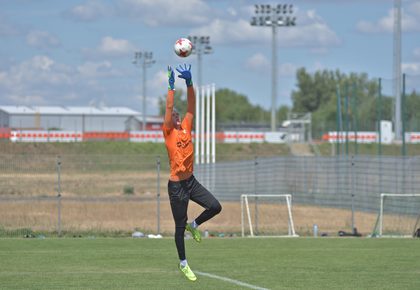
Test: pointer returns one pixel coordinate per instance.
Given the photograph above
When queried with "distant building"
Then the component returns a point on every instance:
(135, 123)
(82, 119)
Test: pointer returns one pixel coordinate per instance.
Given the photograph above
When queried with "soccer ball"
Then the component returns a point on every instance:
(183, 47)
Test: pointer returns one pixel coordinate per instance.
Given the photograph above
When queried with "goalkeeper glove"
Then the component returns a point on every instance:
(171, 79)
(185, 73)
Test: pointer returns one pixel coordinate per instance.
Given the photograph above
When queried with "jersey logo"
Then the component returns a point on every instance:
(181, 144)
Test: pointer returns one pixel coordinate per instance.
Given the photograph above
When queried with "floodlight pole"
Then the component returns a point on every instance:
(273, 16)
(397, 67)
(147, 58)
(201, 45)
(273, 78)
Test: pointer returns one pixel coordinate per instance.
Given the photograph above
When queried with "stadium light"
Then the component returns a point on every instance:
(143, 60)
(397, 82)
(273, 16)
(201, 45)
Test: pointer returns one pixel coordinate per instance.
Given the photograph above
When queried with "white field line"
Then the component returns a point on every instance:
(236, 282)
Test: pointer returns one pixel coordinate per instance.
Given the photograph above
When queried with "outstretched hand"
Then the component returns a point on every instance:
(185, 73)
(171, 78)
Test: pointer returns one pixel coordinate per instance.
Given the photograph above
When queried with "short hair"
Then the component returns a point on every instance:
(174, 110)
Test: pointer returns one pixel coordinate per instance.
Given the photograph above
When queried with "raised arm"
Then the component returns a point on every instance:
(170, 99)
(185, 73)
(191, 100)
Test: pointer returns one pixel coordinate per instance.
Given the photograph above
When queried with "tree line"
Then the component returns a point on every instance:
(317, 93)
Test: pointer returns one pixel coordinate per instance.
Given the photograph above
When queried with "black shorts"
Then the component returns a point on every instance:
(181, 192)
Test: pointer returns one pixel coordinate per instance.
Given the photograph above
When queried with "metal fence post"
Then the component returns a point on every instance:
(352, 194)
(158, 195)
(58, 166)
(255, 192)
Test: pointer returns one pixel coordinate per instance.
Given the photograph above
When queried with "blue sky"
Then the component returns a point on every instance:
(80, 52)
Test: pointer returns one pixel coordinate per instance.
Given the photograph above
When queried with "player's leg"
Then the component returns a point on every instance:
(206, 199)
(179, 198)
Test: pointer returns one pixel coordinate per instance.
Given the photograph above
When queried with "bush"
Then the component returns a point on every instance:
(128, 189)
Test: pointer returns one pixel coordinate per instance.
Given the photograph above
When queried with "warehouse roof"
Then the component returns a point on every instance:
(56, 110)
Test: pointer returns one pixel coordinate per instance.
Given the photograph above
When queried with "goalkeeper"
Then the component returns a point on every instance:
(182, 185)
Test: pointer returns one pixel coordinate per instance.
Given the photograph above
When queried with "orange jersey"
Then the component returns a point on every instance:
(180, 150)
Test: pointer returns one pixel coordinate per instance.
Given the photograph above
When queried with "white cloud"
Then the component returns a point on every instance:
(311, 31)
(34, 80)
(260, 63)
(163, 12)
(257, 62)
(114, 46)
(89, 11)
(111, 47)
(313, 35)
(240, 31)
(42, 80)
(411, 68)
(409, 22)
(42, 39)
(40, 69)
(97, 69)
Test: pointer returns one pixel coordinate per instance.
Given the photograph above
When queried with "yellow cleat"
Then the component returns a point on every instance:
(195, 233)
(188, 272)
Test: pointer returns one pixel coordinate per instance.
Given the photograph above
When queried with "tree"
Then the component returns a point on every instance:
(412, 110)
(235, 107)
(317, 93)
(282, 113)
(231, 107)
(314, 90)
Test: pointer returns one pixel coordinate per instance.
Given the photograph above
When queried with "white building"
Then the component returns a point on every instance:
(82, 119)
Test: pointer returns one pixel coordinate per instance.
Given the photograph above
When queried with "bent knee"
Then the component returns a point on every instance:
(216, 208)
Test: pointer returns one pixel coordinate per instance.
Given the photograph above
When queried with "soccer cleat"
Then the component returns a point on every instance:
(188, 272)
(195, 232)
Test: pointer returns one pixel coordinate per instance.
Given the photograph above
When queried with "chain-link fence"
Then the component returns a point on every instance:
(74, 194)
(361, 108)
(335, 193)
(118, 194)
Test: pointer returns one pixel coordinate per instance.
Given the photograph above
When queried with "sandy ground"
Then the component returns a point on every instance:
(99, 215)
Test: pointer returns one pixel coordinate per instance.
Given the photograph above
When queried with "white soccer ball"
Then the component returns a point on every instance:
(183, 47)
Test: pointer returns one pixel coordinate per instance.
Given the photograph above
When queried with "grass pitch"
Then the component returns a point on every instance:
(272, 263)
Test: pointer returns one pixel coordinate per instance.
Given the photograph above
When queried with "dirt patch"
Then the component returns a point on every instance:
(81, 184)
(120, 215)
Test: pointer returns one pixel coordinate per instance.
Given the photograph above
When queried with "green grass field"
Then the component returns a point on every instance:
(225, 263)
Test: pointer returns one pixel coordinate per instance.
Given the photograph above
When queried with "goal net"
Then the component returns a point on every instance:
(399, 215)
(267, 215)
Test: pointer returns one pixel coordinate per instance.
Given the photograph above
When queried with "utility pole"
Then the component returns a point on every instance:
(273, 16)
(143, 60)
